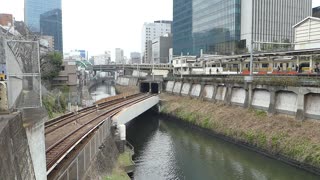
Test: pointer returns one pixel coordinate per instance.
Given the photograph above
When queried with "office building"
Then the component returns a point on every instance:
(272, 20)
(224, 26)
(102, 59)
(119, 56)
(135, 58)
(160, 49)
(316, 12)
(151, 31)
(51, 25)
(45, 17)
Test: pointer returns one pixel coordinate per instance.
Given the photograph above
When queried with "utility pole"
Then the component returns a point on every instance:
(251, 49)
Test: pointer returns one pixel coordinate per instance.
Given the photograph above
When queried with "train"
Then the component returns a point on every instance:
(263, 66)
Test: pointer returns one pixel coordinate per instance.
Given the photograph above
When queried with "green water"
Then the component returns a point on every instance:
(166, 150)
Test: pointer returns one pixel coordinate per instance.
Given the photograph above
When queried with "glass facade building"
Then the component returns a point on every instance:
(45, 17)
(211, 25)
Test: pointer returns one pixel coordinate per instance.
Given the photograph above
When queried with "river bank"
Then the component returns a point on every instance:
(278, 136)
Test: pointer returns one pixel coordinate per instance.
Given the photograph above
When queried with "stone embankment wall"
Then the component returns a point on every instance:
(15, 156)
(127, 81)
(301, 102)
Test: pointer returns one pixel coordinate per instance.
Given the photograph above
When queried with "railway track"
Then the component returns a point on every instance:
(56, 152)
(58, 123)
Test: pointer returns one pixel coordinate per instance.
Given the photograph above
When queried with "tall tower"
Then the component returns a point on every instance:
(45, 17)
(150, 31)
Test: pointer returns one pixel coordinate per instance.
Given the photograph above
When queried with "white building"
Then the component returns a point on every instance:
(135, 58)
(160, 49)
(151, 31)
(102, 59)
(272, 19)
(119, 56)
(307, 33)
(76, 55)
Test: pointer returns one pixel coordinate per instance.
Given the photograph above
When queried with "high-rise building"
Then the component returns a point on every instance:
(211, 25)
(45, 17)
(272, 20)
(119, 56)
(160, 49)
(102, 59)
(151, 31)
(224, 26)
(51, 25)
(135, 58)
(316, 12)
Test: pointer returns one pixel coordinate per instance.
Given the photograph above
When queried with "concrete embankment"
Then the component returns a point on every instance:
(278, 136)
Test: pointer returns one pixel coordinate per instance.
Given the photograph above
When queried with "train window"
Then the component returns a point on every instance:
(235, 65)
(265, 65)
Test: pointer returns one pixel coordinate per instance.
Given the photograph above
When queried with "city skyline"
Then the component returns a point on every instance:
(125, 31)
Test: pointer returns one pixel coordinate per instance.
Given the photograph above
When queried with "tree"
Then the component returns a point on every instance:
(50, 65)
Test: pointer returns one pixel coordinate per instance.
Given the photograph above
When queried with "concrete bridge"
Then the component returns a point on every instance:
(74, 139)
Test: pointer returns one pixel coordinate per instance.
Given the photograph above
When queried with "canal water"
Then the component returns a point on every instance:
(102, 90)
(167, 150)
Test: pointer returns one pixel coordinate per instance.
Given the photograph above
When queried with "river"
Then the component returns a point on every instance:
(167, 150)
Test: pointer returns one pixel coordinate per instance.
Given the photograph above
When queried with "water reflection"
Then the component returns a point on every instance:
(165, 150)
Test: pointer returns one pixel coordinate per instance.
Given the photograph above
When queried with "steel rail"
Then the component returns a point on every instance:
(79, 135)
(84, 110)
(69, 120)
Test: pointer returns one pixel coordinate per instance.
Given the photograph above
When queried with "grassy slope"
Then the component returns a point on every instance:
(278, 134)
(118, 173)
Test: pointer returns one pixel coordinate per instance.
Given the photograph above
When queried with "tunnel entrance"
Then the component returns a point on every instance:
(144, 87)
(154, 88)
(150, 87)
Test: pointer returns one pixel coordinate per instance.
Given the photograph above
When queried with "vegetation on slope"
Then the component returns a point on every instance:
(278, 134)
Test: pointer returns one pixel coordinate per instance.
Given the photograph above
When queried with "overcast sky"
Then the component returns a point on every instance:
(100, 25)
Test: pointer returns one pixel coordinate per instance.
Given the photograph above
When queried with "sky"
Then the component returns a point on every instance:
(103, 25)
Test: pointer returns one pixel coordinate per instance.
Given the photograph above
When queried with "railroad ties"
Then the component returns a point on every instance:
(66, 133)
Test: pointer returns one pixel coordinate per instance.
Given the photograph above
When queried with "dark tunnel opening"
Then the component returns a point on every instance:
(154, 88)
(144, 87)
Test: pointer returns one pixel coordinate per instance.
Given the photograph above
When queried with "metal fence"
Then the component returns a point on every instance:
(23, 74)
(79, 166)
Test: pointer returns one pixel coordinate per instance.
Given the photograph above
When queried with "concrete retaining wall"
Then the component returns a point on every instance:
(286, 102)
(78, 168)
(261, 99)
(169, 86)
(312, 106)
(185, 89)
(208, 91)
(301, 102)
(221, 93)
(15, 157)
(196, 90)
(238, 96)
(177, 88)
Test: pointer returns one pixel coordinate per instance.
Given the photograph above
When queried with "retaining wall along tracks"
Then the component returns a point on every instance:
(301, 102)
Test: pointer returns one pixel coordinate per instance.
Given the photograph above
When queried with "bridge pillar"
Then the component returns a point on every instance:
(215, 91)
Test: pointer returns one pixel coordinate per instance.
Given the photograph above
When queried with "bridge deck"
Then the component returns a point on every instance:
(67, 132)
